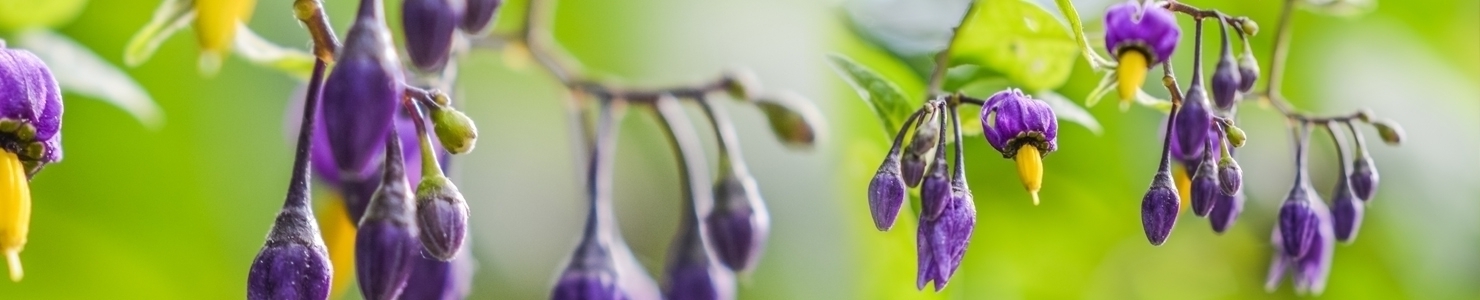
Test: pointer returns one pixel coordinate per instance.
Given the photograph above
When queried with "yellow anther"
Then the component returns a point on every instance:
(215, 27)
(1030, 169)
(15, 211)
(1184, 186)
(1131, 74)
(339, 237)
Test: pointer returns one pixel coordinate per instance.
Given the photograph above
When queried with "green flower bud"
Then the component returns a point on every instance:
(741, 84)
(454, 129)
(1391, 133)
(794, 120)
(1236, 136)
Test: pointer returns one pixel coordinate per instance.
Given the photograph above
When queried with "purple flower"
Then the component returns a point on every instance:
(386, 243)
(1226, 211)
(1159, 208)
(1205, 185)
(30, 135)
(1299, 220)
(1309, 270)
(480, 13)
(429, 26)
(739, 225)
(1147, 27)
(1023, 129)
(30, 110)
(941, 243)
(1139, 36)
(363, 93)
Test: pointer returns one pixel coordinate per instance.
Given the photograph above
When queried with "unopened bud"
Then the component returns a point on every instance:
(429, 26)
(1205, 187)
(1248, 71)
(741, 84)
(1250, 27)
(1236, 136)
(442, 215)
(1391, 133)
(1364, 177)
(793, 119)
(1159, 208)
(922, 146)
(454, 129)
(739, 224)
(1346, 212)
(479, 14)
(1230, 176)
(1298, 223)
(386, 244)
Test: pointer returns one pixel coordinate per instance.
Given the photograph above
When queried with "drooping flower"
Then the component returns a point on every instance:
(1023, 129)
(1308, 271)
(363, 93)
(386, 243)
(739, 224)
(1139, 36)
(30, 137)
(942, 240)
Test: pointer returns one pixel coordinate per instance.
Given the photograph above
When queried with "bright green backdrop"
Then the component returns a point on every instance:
(179, 212)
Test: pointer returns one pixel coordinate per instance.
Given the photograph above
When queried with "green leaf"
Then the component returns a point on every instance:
(28, 14)
(886, 99)
(260, 51)
(1019, 39)
(170, 17)
(1066, 110)
(80, 71)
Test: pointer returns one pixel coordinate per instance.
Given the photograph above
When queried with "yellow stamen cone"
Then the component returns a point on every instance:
(215, 27)
(339, 237)
(1184, 186)
(15, 211)
(1030, 169)
(1130, 74)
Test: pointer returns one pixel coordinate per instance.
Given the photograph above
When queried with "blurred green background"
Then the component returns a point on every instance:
(179, 212)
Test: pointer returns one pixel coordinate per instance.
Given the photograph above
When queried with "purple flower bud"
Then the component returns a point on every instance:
(290, 269)
(386, 243)
(925, 142)
(1299, 223)
(949, 236)
(442, 215)
(1148, 28)
(739, 225)
(692, 272)
(587, 285)
(886, 193)
(1230, 176)
(1309, 271)
(1248, 71)
(935, 193)
(361, 96)
(479, 15)
(1193, 124)
(1225, 83)
(30, 109)
(429, 25)
(1346, 212)
(1159, 208)
(1226, 211)
(1226, 80)
(1205, 188)
(1363, 177)
(440, 280)
(1011, 120)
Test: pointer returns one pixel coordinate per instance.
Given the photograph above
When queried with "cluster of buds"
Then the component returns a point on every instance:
(365, 133)
(30, 138)
(723, 228)
(1020, 127)
(1201, 137)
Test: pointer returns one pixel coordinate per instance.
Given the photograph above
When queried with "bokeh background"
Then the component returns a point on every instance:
(178, 212)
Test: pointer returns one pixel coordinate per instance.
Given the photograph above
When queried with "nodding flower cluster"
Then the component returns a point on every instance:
(1201, 137)
(1020, 127)
(357, 122)
(30, 138)
(723, 229)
